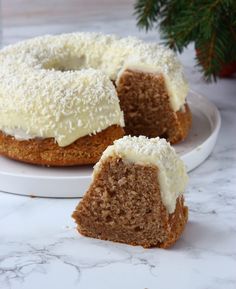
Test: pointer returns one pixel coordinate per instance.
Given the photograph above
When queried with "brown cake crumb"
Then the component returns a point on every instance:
(85, 150)
(146, 105)
(123, 204)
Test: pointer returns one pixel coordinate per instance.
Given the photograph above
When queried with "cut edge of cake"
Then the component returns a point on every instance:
(145, 99)
(136, 196)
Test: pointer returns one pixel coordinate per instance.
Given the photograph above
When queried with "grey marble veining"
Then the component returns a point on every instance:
(40, 248)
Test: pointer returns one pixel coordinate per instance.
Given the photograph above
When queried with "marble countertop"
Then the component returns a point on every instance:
(39, 246)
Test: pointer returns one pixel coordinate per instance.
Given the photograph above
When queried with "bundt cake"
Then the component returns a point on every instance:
(60, 96)
(136, 195)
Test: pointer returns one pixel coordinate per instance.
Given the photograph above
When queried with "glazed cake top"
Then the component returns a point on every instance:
(172, 174)
(59, 86)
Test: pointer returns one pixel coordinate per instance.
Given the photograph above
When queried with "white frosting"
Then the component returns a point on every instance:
(64, 108)
(172, 174)
(59, 86)
(18, 133)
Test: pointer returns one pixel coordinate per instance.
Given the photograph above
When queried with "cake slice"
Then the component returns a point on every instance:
(136, 196)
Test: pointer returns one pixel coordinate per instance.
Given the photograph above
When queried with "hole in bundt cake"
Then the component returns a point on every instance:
(67, 63)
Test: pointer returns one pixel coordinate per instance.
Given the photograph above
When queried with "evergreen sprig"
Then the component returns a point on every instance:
(209, 24)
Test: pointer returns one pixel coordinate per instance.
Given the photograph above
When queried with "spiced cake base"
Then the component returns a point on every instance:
(85, 150)
(124, 205)
(147, 109)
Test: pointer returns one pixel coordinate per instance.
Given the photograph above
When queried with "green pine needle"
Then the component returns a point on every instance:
(209, 24)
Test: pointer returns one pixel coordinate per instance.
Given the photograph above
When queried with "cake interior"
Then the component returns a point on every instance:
(147, 110)
(124, 205)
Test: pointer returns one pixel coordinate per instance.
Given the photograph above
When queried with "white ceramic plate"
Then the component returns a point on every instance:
(24, 179)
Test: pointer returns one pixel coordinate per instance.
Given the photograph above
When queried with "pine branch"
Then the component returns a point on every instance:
(147, 12)
(210, 24)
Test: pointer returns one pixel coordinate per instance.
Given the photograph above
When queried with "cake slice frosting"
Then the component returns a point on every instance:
(141, 150)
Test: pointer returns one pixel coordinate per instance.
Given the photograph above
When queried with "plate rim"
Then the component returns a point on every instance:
(215, 126)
